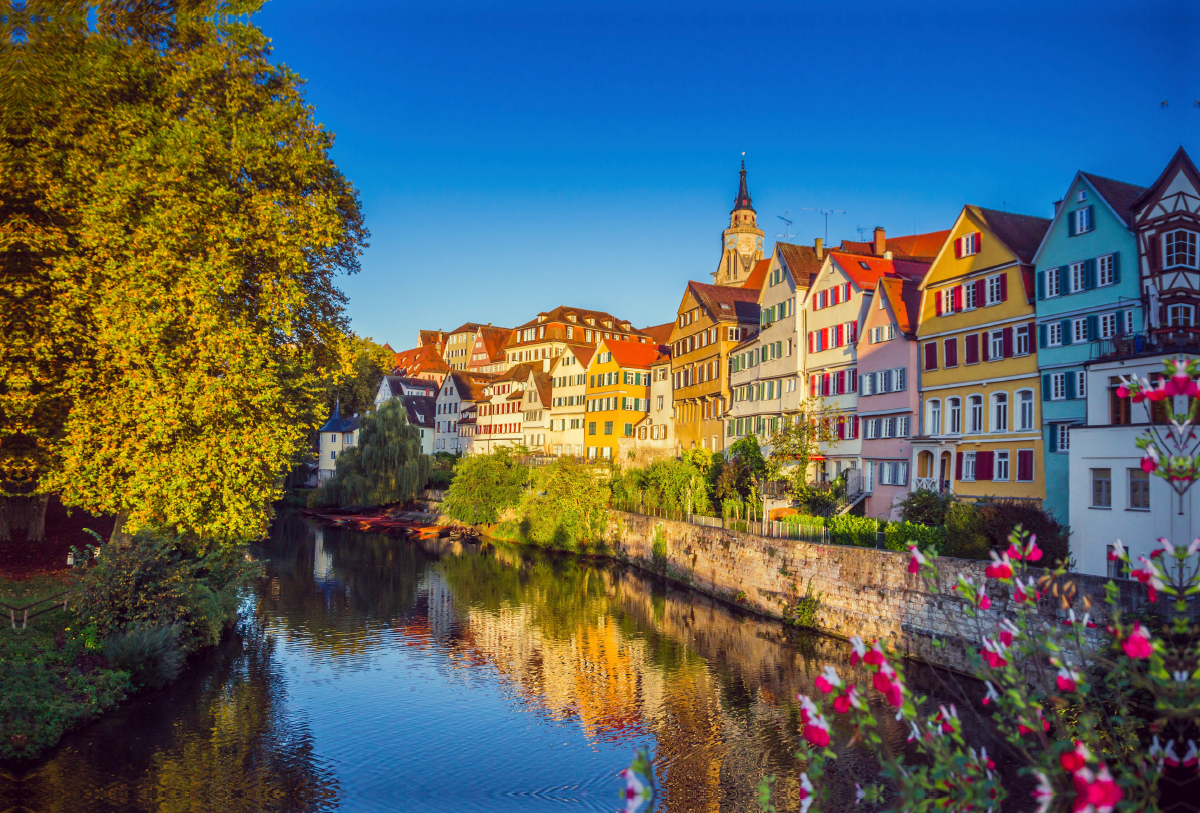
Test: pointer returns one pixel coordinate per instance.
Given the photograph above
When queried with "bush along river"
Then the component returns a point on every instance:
(372, 672)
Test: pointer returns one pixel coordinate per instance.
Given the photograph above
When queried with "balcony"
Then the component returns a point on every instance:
(1156, 341)
(930, 484)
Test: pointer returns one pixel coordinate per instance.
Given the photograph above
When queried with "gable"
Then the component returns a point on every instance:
(947, 266)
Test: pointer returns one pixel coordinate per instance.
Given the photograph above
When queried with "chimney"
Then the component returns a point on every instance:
(819, 244)
(880, 241)
(1057, 206)
(887, 255)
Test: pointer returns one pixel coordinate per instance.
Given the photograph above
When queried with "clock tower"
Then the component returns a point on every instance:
(742, 242)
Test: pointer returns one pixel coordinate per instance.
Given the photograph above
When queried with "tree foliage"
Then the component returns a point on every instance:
(386, 466)
(356, 381)
(667, 485)
(925, 507)
(172, 226)
(565, 506)
(484, 486)
(797, 441)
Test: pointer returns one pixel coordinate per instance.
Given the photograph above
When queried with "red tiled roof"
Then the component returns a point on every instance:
(584, 353)
(758, 275)
(1120, 195)
(628, 354)
(470, 385)
(419, 360)
(660, 333)
(1022, 234)
(904, 297)
(518, 372)
(801, 261)
(908, 246)
(743, 302)
(560, 314)
(866, 270)
(545, 387)
(494, 339)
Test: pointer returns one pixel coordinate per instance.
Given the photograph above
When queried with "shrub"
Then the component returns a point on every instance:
(926, 507)
(848, 530)
(659, 549)
(386, 466)
(804, 612)
(157, 581)
(899, 535)
(804, 519)
(815, 500)
(151, 655)
(484, 486)
(564, 507)
(1000, 517)
(668, 485)
(964, 532)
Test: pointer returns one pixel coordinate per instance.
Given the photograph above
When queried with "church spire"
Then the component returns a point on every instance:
(743, 196)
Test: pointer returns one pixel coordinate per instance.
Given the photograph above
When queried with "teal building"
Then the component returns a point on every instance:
(1089, 307)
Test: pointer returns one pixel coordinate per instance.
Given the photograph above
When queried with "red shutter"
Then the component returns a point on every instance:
(931, 355)
(958, 466)
(846, 292)
(841, 428)
(854, 426)
(825, 385)
(854, 331)
(972, 346)
(958, 248)
(958, 298)
(812, 386)
(1007, 333)
(980, 293)
(983, 465)
(841, 381)
(837, 338)
(937, 300)
(826, 338)
(983, 350)
(1025, 464)
(811, 343)
(1004, 287)
(951, 352)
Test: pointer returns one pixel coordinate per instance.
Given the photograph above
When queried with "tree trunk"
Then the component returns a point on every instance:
(118, 536)
(23, 517)
(35, 528)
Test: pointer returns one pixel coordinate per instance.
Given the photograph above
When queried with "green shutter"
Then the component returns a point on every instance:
(1092, 217)
(1052, 445)
(1116, 260)
(1066, 330)
(1071, 224)
(1070, 385)
(1041, 285)
(1093, 323)
(1046, 387)
(1089, 274)
(1042, 335)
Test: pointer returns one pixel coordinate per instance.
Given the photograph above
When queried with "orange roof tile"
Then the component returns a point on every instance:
(904, 297)
(660, 333)
(866, 270)
(629, 354)
(909, 246)
(758, 275)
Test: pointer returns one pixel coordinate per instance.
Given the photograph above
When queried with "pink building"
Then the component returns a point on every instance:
(887, 393)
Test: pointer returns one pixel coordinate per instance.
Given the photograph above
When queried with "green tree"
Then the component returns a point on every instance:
(386, 466)
(177, 223)
(355, 383)
(797, 441)
(748, 451)
(565, 505)
(484, 486)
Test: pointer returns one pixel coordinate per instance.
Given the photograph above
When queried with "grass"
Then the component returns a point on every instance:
(52, 680)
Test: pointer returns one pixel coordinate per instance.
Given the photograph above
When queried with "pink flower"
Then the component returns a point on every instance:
(1075, 759)
(1118, 551)
(806, 793)
(1096, 793)
(985, 603)
(875, 656)
(1013, 552)
(1191, 757)
(828, 681)
(1151, 460)
(1043, 794)
(1148, 576)
(1137, 645)
(1067, 680)
(636, 792)
(918, 559)
(991, 693)
(816, 727)
(860, 650)
(1034, 553)
(1001, 567)
(993, 653)
(888, 683)
(841, 703)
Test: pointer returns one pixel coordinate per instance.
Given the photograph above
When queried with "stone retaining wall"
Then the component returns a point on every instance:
(862, 591)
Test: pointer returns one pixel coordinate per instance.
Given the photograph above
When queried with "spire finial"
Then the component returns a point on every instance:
(742, 201)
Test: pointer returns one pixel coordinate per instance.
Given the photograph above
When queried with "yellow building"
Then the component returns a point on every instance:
(980, 405)
(618, 395)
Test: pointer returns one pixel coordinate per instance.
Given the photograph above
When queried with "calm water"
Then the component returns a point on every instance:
(373, 673)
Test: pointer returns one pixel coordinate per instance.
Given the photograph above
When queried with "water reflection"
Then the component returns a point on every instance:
(372, 673)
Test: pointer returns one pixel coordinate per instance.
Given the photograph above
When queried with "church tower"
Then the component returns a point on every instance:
(742, 242)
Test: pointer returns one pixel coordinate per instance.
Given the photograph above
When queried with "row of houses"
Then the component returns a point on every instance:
(982, 359)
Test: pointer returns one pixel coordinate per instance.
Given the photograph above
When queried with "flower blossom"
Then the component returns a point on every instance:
(1076, 758)
(1022, 592)
(944, 718)
(888, 683)
(1180, 383)
(859, 794)
(851, 699)
(1137, 644)
(1096, 793)
(1148, 576)
(1151, 461)
(918, 559)
(1191, 756)
(637, 792)
(985, 603)
(1000, 568)
(991, 693)
(1117, 552)
(1043, 794)
(875, 656)
(993, 653)
(806, 793)
(1067, 680)
(829, 680)
(860, 650)
(816, 727)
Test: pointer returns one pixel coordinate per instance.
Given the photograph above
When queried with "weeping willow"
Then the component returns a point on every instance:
(385, 467)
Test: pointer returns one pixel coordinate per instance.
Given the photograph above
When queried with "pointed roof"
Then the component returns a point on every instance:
(1179, 160)
(908, 246)
(802, 262)
(660, 333)
(758, 275)
(1119, 195)
(420, 409)
(424, 359)
(469, 386)
(722, 300)
(518, 372)
(742, 201)
(545, 387)
(627, 354)
(584, 352)
(904, 297)
(1022, 234)
(337, 423)
(867, 270)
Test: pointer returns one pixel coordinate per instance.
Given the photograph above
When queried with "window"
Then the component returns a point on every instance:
(1080, 384)
(951, 352)
(1179, 316)
(1114, 564)
(1025, 405)
(1079, 330)
(333, 455)
(333, 438)
(1023, 343)
(1063, 439)
(1179, 249)
(968, 468)
(975, 404)
(608, 427)
(629, 430)
(1078, 277)
(954, 413)
(1101, 488)
(1108, 325)
(1120, 410)
(969, 302)
(1054, 334)
(1053, 282)
(1025, 465)
(1083, 219)
(1106, 270)
(1000, 472)
(996, 348)
(931, 355)
(1139, 490)
(935, 417)
(592, 428)
(1058, 386)
(967, 245)
(999, 411)
(995, 289)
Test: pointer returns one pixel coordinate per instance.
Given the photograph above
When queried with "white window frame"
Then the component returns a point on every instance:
(1077, 277)
(1053, 283)
(1025, 409)
(1080, 383)
(1002, 461)
(969, 302)
(999, 411)
(1054, 335)
(1083, 220)
(996, 345)
(1181, 309)
(975, 411)
(954, 413)
(1171, 251)
(1108, 325)
(993, 289)
(934, 413)
(1079, 330)
(1021, 336)
(1063, 444)
(1105, 275)
(968, 468)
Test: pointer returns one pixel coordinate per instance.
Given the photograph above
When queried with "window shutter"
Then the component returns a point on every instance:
(1089, 274)
(951, 352)
(1071, 224)
(852, 378)
(1025, 464)
(983, 465)
(1046, 387)
(1041, 335)
(811, 345)
(931, 355)
(1066, 331)
(853, 328)
(1093, 327)
(840, 338)
(1091, 210)
(1041, 284)
(1007, 333)
(841, 381)
(825, 384)
(980, 293)
(812, 386)
(1003, 287)
(983, 348)
(958, 298)
(841, 429)
(1116, 266)
(958, 466)
(958, 248)
(900, 378)
(1070, 386)
(1052, 445)
(937, 300)
(1121, 327)
(972, 348)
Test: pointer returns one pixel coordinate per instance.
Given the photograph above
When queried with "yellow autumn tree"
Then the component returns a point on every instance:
(181, 225)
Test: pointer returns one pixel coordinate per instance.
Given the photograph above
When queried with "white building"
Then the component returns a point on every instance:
(459, 391)
(337, 435)
(568, 401)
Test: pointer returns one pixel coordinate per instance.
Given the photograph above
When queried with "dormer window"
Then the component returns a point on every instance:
(967, 245)
(1082, 196)
(590, 320)
(1179, 249)
(608, 323)
(541, 317)
(572, 317)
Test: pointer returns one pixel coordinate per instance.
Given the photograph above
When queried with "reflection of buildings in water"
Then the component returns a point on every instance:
(322, 560)
(440, 611)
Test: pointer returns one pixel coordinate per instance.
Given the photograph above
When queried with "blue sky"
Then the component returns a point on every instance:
(512, 157)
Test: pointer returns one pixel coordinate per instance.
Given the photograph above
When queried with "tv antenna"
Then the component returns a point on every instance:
(787, 231)
(862, 233)
(827, 213)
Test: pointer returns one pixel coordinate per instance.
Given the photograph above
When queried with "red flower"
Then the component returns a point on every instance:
(1137, 645)
(841, 703)
(875, 656)
(1075, 759)
(1096, 793)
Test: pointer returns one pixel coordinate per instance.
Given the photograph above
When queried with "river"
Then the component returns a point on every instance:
(373, 673)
